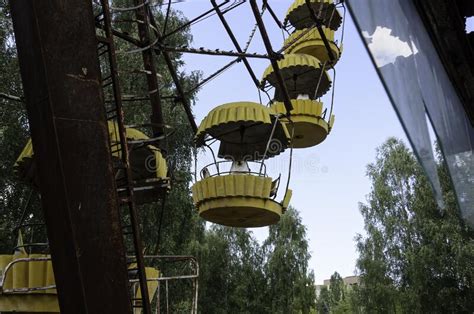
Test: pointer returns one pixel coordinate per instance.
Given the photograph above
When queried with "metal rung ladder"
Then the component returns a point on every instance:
(119, 150)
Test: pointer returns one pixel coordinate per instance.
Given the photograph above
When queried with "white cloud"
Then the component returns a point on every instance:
(470, 24)
(386, 48)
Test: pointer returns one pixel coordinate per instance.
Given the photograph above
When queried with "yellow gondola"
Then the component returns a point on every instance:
(230, 193)
(299, 14)
(238, 198)
(308, 41)
(244, 129)
(149, 168)
(308, 121)
(27, 284)
(301, 74)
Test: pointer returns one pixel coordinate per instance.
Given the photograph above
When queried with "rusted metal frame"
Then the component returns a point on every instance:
(213, 75)
(168, 278)
(134, 221)
(178, 258)
(172, 258)
(301, 35)
(168, 12)
(272, 13)
(235, 42)
(195, 266)
(320, 29)
(180, 28)
(162, 212)
(121, 35)
(268, 46)
(136, 99)
(158, 292)
(196, 289)
(61, 81)
(142, 14)
(215, 52)
(174, 76)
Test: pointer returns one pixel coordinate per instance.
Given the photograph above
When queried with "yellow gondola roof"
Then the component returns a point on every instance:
(299, 15)
(310, 128)
(306, 69)
(244, 128)
(227, 117)
(309, 42)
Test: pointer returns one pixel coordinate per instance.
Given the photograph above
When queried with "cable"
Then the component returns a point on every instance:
(213, 76)
(195, 163)
(320, 78)
(268, 144)
(303, 33)
(290, 164)
(332, 96)
(343, 22)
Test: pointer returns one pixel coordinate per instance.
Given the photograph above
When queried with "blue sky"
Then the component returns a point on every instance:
(328, 180)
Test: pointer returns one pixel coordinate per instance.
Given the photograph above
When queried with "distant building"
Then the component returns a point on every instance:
(349, 281)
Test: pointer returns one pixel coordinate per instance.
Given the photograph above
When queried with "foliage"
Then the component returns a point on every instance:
(241, 276)
(336, 286)
(323, 304)
(237, 274)
(337, 297)
(414, 258)
(13, 135)
(291, 283)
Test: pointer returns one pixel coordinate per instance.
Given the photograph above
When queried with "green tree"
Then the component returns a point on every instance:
(179, 225)
(337, 288)
(290, 283)
(13, 136)
(238, 275)
(232, 276)
(414, 258)
(337, 297)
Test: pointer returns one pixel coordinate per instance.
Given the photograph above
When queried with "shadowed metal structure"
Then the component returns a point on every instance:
(61, 78)
(93, 171)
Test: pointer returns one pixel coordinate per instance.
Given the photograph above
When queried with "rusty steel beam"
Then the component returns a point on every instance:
(194, 20)
(179, 88)
(141, 14)
(236, 43)
(272, 54)
(61, 80)
(318, 24)
(211, 52)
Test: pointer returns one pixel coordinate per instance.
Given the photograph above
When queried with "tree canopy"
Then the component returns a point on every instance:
(415, 257)
(237, 273)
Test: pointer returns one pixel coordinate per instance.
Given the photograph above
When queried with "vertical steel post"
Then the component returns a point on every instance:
(142, 15)
(271, 54)
(61, 78)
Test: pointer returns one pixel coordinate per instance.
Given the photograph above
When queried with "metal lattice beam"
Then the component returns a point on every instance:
(61, 79)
